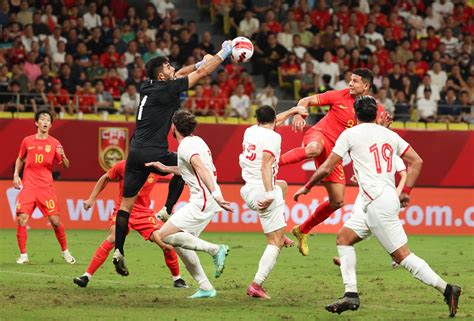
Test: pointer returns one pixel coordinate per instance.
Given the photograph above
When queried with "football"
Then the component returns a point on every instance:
(242, 49)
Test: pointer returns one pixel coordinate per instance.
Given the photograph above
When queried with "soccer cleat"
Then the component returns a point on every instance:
(451, 297)
(81, 281)
(119, 261)
(302, 240)
(201, 294)
(68, 257)
(257, 291)
(336, 260)
(23, 259)
(345, 303)
(219, 259)
(163, 215)
(287, 242)
(180, 283)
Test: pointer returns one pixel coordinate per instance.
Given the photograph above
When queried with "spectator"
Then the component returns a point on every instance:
(432, 20)
(328, 67)
(67, 81)
(59, 57)
(49, 18)
(199, 103)
(373, 35)
(38, 97)
(96, 45)
(247, 81)
(236, 15)
(131, 53)
(328, 38)
(217, 101)
(449, 108)
(451, 42)
(316, 51)
(427, 107)
(350, 39)
(136, 78)
(151, 16)
(91, 18)
(290, 69)
(272, 24)
(307, 80)
(58, 99)
(85, 99)
(240, 103)
(52, 41)
(344, 83)
(402, 107)
(320, 16)
(305, 34)
(129, 101)
(28, 37)
(267, 97)
(435, 90)
(25, 16)
(386, 102)
(95, 71)
(403, 53)
(443, 8)
(306, 59)
(39, 27)
(438, 76)
(46, 77)
(298, 47)
(248, 26)
(113, 83)
(285, 37)
(30, 68)
(408, 90)
(19, 77)
(273, 56)
(14, 101)
(104, 100)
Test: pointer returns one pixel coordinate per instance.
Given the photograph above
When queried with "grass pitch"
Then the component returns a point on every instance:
(300, 286)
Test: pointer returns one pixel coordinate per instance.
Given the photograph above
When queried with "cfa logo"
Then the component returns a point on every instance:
(12, 197)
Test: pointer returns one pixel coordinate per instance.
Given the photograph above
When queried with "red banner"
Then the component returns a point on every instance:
(447, 154)
(432, 210)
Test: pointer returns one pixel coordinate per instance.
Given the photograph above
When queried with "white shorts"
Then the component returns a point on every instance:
(273, 217)
(380, 218)
(191, 219)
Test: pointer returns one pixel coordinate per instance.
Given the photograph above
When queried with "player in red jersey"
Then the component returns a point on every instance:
(319, 140)
(37, 154)
(141, 220)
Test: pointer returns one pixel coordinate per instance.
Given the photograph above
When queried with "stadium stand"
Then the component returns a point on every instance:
(85, 59)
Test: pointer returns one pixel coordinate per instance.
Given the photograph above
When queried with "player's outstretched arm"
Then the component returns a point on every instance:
(210, 65)
(98, 188)
(164, 168)
(298, 110)
(206, 176)
(183, 72)
(323, 171)
(17, 183)
(267, 177)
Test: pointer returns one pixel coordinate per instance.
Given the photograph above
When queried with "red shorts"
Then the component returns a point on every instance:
(144, 222)
(316, 136)
(43, 198)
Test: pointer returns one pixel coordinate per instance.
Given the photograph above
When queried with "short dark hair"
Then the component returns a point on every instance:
(265, 114)
(43, 111)
(153, 66)
(365, 108)
(366, 74)
(185, 122)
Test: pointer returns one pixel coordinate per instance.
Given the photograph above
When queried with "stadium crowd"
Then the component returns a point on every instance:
(89, 56)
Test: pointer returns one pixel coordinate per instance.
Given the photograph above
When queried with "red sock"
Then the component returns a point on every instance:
(322, 212)
(293, 156)
(61, 236)
(21, 236)
(100, 256)
(172, 263)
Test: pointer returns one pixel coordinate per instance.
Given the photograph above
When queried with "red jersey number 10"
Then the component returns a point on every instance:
(387, 155)
(249, 151)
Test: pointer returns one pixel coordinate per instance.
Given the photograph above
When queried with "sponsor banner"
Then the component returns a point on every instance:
(432, 210)
(447, 155)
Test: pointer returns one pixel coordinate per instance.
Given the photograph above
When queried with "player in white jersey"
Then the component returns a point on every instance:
(371, 148)
(183, 228)
(262, 192)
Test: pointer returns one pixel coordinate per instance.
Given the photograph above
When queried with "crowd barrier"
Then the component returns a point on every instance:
(437, 211)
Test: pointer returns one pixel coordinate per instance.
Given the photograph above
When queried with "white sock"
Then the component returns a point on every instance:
(266, 264)
(193, 265)
(422, 271)
(190, 242)
(348, 259)
(87, 274)
(176, 277)
(65, 251)
(24, 255)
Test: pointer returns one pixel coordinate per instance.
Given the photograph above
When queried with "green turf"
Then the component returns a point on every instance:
(299, 286)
